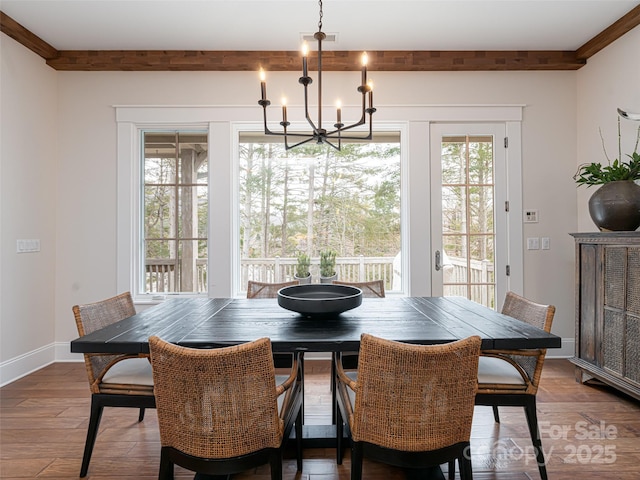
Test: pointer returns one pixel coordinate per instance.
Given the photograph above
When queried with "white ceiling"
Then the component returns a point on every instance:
(279, 24)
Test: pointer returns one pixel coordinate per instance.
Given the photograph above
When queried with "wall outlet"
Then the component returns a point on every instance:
(533, 243)
(27, 246)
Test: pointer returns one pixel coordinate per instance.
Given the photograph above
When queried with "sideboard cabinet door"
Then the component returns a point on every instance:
(608, 309)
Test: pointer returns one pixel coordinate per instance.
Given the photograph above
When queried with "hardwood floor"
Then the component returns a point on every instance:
(588, 431)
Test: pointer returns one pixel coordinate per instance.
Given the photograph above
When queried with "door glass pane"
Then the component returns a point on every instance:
(468, 217)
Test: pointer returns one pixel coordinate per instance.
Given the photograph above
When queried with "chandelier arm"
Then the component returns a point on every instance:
(267, 131)
(306, 111)
(319, 134)
(332, 145)
(289, 147)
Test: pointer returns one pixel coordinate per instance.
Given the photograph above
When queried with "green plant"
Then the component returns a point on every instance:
(596, 174)
(302, 268)
(327, 263)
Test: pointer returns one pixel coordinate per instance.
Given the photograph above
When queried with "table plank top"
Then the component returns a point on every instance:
(219, 322)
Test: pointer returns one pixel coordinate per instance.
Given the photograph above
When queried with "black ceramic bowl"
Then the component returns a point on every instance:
(319, 299)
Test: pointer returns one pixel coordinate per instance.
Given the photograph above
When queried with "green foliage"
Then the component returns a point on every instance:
(595, 174)
(327, 263)
(302, 268)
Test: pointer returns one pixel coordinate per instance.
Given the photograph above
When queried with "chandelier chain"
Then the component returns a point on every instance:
(321, 14)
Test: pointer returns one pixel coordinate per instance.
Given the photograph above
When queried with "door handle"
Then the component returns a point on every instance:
(438, 261)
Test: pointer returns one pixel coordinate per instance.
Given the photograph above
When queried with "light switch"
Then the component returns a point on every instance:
(27, 246)
(545, 243)
(533, 243)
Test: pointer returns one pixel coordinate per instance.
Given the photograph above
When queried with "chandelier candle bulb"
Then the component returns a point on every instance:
(339, 112)
(263, 84)
(365, 60)
(370, 85)
(305, 53)
(284, 110)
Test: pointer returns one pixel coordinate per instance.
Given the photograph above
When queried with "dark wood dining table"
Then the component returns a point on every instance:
(220, 322)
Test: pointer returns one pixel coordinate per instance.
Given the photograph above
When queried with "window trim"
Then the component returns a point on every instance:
(219, 121)
(241, 128)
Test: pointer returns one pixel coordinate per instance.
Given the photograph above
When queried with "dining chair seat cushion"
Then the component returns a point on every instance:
(132, 371)
(495, 370)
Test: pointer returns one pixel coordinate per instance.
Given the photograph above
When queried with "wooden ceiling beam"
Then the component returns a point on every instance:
(614, 31)
(23, 36)
(390, 60)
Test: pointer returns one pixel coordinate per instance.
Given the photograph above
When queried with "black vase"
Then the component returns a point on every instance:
(615, 206)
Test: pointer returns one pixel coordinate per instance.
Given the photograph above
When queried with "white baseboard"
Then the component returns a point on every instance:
(63, 353)
(567, 350)
(22, 365)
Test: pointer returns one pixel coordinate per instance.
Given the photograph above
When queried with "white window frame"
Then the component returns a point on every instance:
(400, 127)
(220, 121)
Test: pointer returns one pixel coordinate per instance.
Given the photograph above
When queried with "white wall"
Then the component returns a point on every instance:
(611, 79)
(88, 152)
(84, 204)
(28, 163)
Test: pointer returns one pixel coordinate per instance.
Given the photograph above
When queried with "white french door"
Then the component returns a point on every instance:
(470, 231)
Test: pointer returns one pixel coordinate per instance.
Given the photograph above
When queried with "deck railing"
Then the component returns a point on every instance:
(163, 275)
(349, 269)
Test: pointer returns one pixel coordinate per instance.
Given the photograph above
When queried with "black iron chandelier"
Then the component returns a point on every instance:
(319, 134)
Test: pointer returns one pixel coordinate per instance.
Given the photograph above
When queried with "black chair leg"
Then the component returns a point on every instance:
(339, 434)
(92, 432)
(298, 427)
(166, 466)
(452, 469)
(334, 404)
(466, 472)
(496, 415)
(141, 415)
(275, 462)
(532, 422)
(356, 460)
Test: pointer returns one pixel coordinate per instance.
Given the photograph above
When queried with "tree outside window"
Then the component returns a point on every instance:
(175, 205)
(315, 198)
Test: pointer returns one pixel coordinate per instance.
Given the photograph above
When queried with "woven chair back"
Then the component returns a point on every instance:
(94, 316)
(266, 290)
(371, 289)
(415, 397)
(535, 314)
(216, 403)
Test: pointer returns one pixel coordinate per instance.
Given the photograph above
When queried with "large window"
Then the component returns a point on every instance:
(175, 211)
(315, 198)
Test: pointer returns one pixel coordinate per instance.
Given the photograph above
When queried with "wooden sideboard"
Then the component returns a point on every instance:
(608, 309)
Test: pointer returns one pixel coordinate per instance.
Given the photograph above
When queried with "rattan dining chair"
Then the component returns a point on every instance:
(266, 289)
(222, 411)
(411, 405)
(270, 290)
(114, 380)
(370, 289)
(511, 377)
